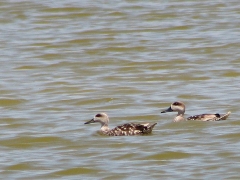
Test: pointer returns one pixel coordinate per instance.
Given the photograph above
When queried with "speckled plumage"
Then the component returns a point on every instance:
(128, 129)
(204, 117)
(180, 108)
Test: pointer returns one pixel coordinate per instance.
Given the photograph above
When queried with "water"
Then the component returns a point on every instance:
(64, 61)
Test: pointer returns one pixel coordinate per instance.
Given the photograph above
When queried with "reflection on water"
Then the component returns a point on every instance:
(63, 62)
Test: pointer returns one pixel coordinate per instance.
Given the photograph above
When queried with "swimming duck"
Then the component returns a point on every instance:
(180, 108)
(128, 129)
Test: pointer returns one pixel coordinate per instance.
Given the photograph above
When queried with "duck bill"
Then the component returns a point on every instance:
(167, 110)
(89, 122)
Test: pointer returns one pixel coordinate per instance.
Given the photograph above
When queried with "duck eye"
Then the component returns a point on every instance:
(98, 115)
(176, 103)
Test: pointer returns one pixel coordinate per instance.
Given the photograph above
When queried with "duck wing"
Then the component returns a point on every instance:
(209, 117)
(204, 117)
(131, 129)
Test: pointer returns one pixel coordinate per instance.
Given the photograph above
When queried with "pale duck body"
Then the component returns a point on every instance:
(128, 129)
(180, 108)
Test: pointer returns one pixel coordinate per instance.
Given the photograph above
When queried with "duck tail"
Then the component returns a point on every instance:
(148, 128)
(223, 117)
(152, 125)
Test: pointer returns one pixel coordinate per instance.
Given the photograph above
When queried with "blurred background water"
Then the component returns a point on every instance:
(64, 61)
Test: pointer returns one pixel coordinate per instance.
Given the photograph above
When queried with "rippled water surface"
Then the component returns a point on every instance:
(64, 61)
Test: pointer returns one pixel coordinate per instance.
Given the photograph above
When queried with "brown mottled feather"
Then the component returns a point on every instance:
(209, 117)
(130, 129)
(204, 117)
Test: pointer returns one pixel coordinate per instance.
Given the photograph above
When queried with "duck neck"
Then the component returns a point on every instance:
(179, 116)
(105, 127)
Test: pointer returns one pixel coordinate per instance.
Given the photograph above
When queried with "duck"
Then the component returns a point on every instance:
(128, 129)
(180, 108)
